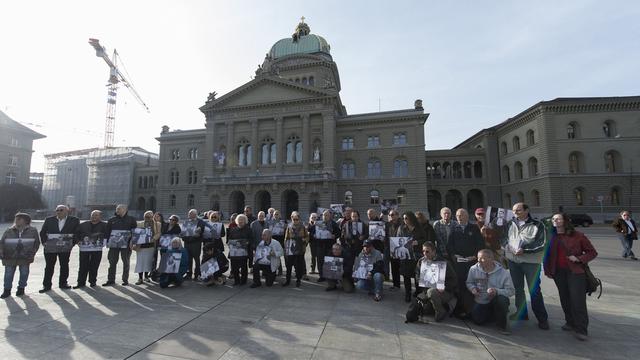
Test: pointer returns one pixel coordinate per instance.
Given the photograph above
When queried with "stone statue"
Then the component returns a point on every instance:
(316, 154)
(301, 30)
(418, 104)
(212, 96)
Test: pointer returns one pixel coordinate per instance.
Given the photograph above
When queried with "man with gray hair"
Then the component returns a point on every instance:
(121, 221)
(443, 228)
(94, 229)
(60, 223)
(267, 259)
(192, 232)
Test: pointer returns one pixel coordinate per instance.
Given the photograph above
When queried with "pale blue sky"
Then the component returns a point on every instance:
(474, 63)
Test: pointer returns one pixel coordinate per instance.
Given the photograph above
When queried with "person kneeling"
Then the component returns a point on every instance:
(337, 268)
(491, 287)
(171, 273)
(211, 252)
(368, 269)
(434, 297)
(267, 259)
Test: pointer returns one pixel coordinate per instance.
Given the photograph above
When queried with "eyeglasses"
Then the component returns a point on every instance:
(173, 219)
(295, 219)
(59, 210)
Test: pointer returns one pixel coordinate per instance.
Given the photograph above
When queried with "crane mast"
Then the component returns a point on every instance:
(115, 78)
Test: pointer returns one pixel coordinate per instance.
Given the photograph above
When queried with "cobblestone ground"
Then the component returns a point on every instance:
(196, 322)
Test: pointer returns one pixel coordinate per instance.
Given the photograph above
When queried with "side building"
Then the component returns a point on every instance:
(16, 148)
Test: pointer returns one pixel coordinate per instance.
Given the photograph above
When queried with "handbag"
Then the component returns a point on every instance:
(592, 282)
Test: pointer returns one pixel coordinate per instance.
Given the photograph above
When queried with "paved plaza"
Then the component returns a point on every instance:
(197, 322)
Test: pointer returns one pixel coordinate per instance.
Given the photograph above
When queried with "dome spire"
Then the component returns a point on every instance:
(301, 30)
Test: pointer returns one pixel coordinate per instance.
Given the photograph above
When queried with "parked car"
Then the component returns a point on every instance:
(581, 220)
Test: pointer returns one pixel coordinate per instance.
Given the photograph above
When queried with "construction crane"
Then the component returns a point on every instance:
(115, 78)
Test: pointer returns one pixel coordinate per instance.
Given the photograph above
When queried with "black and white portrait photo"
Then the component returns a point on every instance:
(333, 267)
(238, 247)
(432, 274)
(58, 243)
(141, 236)
(170, 262)
(363, 269)
(376, 230)
(119, 239)
(277, 228)
(208, 268)
(401, 247)
(321, 231)
(92, 242)
(18, 249)
(165, 241)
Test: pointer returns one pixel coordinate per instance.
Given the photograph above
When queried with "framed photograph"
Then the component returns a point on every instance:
(401, 247)
(212, 230)
(333, 268)
(58, 243)
(141, 236)
(208, 268)
(238, 247)
(189, 228)
(432, 274)
(321, 231)
(119, 239)
(18, 249)
(387, 205)
(362, 270)
(338, 210)
(92, 242)
(165, 241)
(262, 254)
(170, 262)
(278, 227)
(291, 247)
(376, 230)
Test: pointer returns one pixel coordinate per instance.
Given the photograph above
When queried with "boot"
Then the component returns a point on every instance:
(20, 291)
(5, 294)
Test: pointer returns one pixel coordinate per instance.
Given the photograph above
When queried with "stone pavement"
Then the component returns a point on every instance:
(196, 322)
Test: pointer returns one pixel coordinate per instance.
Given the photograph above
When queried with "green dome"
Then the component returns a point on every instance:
(307, 44)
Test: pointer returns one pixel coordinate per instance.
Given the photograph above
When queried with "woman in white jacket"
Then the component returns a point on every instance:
(266, 259)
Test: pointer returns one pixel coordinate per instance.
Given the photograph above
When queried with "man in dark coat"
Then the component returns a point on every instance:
(61, 223)
(123, 222)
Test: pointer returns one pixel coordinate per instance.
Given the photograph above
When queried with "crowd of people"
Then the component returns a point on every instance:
(461, 267)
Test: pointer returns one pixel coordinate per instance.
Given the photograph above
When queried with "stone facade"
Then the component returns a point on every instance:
(16, 147)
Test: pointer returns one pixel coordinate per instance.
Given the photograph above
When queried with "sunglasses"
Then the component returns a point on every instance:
(59, 210)
(173, 219)
(295, 219)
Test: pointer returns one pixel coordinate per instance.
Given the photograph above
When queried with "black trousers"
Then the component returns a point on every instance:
(194, 249)
(112, 256)
(395, 272)
(50, 264)
(89, 264)
(296, 261)
(495, 310)
(314, 256)
(323, 248)
(573, 298)
(239, 269)
(269, 275)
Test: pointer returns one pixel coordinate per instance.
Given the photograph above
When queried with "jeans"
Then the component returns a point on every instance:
(495, 310)
(375, 284)
(520, 271)
(573, 298)
(50, 261)
(125, 255)
(627, 243)
(9, 272)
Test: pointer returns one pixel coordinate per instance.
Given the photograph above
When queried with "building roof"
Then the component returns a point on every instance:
(302, 42)
(7, 122)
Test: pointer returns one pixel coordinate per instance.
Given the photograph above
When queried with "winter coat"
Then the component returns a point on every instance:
(443, 233)
(256, 229)
(450, 277)
(499, 279)
(50, 226)
(374, 257)
(274, 251)
(87, 228)
(465, 241)
(575, 244)
(296, 237)
(531, 237)
(29, 232)
(118, 222)
(241, 233)
(622, 228)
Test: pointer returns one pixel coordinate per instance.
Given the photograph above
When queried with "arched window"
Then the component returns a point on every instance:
(575, 162)
(609, 128)
(508, 202)
(503, 148)
(400, 139)
(242, 155)
(612, 161)
(298, 152)
(578, 193)
(517, 170)
(267, 151)
(530, 138)
(273, 153)
(172, 201)
(348, 169)
(446, 170)
(151, 183)
(437, 171)
(305, 81)
(265, 154)
(312, 81)
(193, 153)
(191, 200)
(400, 195)
(347, 143)
(374, 196)
(615, 196)
(10, 178)
(572, 130)
(249, 154)
(535, 197)
(139, 182)
(533, 167)
(520, 196)
(516, 143)
(373, 168)
(400, 167)
(192, 177)
(348, 197)
(145, 182)
(506, 174)
(457, 170)
(175, 154)
(290, 152)
(466, 169)
(294, 150)
(174, 177)
(477, 169)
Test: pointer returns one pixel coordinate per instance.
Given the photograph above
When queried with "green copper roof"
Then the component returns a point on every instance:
(307, 44)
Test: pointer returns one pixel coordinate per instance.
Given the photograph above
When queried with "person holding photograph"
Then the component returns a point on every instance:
(463, 246)
(176, 279)
(21, 229)
(144, 252)
(277, 227)
(347, 268)
(120, 221)
(490, 236)
(210, 251)
(216, 238)
(312, 244)
(296, 238)
(432, 300)
(491, 287)
(627, 231)
(410, 228)
(569, 252)
(61, 223)
(90, 260)
(239, 239)
(193, 229)
(161, 228)
(325, 242)
(374, 277)
(257, 226)
(267, 259)
(443, 229)
(354, 232)
(391, 230)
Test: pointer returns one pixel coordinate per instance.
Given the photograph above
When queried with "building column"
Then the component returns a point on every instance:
(209, 146)
(281, 152)
(328, 145)
(254, 145)
(306, 146)
(230, 156)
